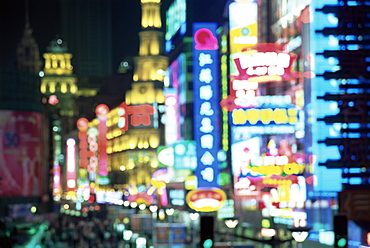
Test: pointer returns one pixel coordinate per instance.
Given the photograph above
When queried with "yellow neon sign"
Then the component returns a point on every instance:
(287, 169)
(266, 116)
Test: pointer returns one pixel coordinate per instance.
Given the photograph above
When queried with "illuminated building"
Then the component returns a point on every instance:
(183, 85)
(59, 84)
(134, 128)
(59, 88)
(291, 137)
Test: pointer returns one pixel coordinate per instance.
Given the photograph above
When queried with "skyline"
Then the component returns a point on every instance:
(45, 21)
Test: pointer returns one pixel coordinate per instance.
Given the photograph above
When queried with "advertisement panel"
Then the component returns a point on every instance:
(243, 28)
(206, 103)
(20, 153)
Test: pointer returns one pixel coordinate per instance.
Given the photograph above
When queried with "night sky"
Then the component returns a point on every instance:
(44, 17)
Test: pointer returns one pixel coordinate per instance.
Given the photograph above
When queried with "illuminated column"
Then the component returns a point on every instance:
(83, 145)
(92, 156)
(71, 166)
(101, 112)
(172, 128)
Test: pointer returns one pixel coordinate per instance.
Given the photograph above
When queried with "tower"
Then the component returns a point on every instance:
(59, 83)
(145, 97)
(28, 55)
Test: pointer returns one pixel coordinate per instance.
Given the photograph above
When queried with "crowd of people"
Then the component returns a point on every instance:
(70, 231)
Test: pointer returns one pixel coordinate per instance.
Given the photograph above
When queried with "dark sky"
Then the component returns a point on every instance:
(44, 17)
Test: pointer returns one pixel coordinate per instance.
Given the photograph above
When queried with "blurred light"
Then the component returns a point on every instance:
(268, 232)
(194, 216)
(127, 234)
(153, 208)
(161, 214)
(33, 209)
(231, 223)
(133, 204)
(170, 211)
(300, 236)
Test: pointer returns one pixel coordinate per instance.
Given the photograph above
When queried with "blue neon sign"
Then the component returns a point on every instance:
(206, 103)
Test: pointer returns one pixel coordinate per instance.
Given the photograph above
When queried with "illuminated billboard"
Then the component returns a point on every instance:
(71, 165)
(264, 62)
(176, 18)
(243, 27)
(172, 127)
(175, 22)
(101, 112)
(20, 153)
(142, 116)
(206, 103)
(326, 179)
(176, 94)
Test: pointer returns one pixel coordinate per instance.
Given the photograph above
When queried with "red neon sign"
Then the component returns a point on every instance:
(264, 63)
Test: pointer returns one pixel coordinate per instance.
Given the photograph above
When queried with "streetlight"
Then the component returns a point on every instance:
(194, 217)
(232, 223)
(299, 234)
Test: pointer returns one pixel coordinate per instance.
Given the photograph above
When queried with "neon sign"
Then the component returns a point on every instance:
(83, 125)
(172, 127)
(71, 164)
(265, 63)
(243, 25)
(286, 169)
(101, 112)
(140, 115)
(206, 200)
(185, 154)
(92, 139)
(176, 18)
(206, 106)
(265, 116)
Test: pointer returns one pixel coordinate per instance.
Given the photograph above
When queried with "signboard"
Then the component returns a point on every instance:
(142, 116)
(20, 153)
(172, 114)
(185, 154)
(175, 18)
(71, 165)
(265, 62)
(206, 200)
(206, 103)
(243, 25)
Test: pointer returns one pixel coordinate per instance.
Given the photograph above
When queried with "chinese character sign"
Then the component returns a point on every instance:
(206, 103)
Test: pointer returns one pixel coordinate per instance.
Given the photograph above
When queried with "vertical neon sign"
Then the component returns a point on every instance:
(71, 165)
(83, 145)
(92, 139)
(206, 103)
(172, 128)
(101, 112)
